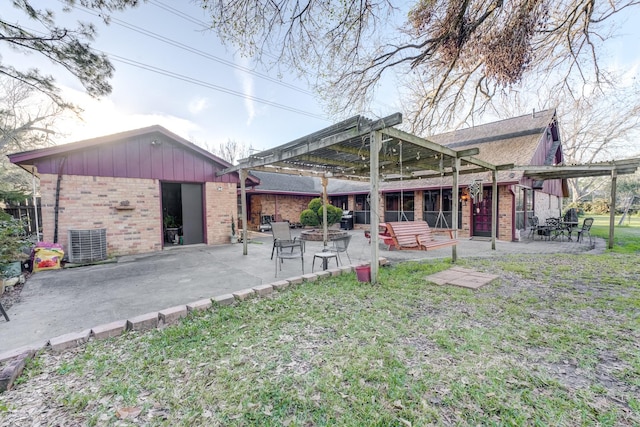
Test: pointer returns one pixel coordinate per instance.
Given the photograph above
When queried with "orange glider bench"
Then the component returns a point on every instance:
(416, 235)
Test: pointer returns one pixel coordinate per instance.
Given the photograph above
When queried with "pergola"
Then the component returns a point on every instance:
(612, 168)
(359, 148)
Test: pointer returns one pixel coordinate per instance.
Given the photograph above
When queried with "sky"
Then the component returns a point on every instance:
(172, 72)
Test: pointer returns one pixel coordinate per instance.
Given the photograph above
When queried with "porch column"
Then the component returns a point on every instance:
(455, 166)
(325, 199)
(375, 140)
(494, 208)
(243, 204)
(612, 208)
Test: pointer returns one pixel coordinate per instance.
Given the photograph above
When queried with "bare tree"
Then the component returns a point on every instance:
(67, 47)
(26, 123)
(601, 127)
(231, 151)
(460, 53)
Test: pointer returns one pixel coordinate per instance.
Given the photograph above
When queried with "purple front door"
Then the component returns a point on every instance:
(481, 212)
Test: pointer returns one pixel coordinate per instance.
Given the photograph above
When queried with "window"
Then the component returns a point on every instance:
(339, 201)
(431, 208)
(362, 211)
(399, 206)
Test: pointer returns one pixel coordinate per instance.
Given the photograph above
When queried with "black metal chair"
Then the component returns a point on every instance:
(585, 229)
(534, 226)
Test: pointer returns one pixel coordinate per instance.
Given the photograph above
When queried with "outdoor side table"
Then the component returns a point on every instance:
(325, 257)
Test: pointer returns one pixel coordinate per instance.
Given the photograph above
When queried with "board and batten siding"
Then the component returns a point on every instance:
(143, 157)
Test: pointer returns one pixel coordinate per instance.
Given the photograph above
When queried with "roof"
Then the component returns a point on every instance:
(45, 157)
(26, 156)
(507, 129)
(515, 140)
(344, 150)
(272, 182)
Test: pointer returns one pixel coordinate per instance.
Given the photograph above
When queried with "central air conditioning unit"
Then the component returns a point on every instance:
(87, 245)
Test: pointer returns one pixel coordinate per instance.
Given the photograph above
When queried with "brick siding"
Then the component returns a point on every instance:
(88, 202)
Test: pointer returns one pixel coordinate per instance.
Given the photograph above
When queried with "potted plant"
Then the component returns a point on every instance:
(234, 237)
(171, 228)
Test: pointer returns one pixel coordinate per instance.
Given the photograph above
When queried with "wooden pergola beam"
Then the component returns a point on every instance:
(290, 151)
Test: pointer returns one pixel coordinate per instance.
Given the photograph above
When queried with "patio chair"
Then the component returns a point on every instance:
(534, 226)
(288, 250)
(341, 245)
(282, 235)
(586, 228)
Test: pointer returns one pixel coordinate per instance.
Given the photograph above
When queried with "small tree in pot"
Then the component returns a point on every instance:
(312, 216)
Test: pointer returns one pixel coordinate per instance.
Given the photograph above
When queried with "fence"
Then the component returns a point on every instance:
(26, 212)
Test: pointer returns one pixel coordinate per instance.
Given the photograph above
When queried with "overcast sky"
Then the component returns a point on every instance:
(171, 72)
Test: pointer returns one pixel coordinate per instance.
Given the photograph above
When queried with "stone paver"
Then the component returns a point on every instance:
(463, 277)
(244, 294)
(109, 330)
(226, 299)
(143, 322)
(171, 315)
(263, 290)
(67, 341)
(202, 304)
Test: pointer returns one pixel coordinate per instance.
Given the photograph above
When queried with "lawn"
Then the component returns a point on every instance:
(553, 341)
(627, 235)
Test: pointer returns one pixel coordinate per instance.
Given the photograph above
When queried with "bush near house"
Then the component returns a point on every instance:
(312, 216)
(12, 239)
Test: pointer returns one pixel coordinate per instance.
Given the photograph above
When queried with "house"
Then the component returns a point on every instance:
(132, 186)
(136, 186)
(528, 140)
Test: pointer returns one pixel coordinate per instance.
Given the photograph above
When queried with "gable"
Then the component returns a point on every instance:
(149, 153)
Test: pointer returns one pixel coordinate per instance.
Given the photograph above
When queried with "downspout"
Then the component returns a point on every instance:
(57, 205)
(35, 203)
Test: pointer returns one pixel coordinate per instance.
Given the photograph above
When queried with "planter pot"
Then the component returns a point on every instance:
(234, 238)
(170, 235)
(363, 273)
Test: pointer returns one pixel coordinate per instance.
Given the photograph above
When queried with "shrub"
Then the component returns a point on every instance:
(312, 216)
(12, 239)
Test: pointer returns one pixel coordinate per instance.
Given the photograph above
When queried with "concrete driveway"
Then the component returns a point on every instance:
(58, 302)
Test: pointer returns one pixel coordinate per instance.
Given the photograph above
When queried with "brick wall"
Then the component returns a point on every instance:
(90, 203)
(287, 208)
(505, 213)
(221, 201)
(546, 206)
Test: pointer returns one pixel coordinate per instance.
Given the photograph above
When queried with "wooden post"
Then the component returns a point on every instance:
(494, 208)
(612, 208)
(325, 201)
(454, 209)
(243, 204)
(374, 162)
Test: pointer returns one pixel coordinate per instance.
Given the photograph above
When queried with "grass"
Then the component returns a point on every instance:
(627, 235)
(554, 341)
